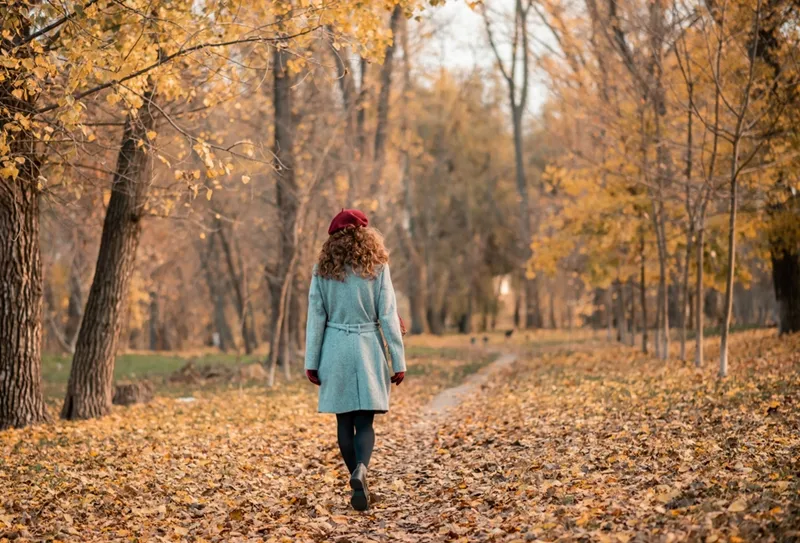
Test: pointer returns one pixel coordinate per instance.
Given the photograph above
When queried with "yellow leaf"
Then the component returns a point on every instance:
(245, 179)
(737, 506)
(9, 171)
(208, 194)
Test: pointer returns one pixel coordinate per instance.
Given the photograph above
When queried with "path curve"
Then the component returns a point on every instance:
(452, 397)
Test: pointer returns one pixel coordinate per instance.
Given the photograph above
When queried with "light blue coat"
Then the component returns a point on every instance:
(343, 341)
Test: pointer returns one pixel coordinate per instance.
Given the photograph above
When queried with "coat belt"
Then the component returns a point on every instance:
(359, 328)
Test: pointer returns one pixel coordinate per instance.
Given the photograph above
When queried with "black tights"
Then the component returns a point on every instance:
(356, 437)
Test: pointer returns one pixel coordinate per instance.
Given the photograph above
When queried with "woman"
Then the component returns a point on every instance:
(350, 302)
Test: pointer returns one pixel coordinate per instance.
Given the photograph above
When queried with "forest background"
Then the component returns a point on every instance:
(168, 169)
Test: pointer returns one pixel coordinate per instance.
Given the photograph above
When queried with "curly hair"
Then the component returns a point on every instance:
(360, 248)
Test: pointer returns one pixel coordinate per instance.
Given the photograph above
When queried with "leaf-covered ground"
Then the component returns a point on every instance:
(598, 444)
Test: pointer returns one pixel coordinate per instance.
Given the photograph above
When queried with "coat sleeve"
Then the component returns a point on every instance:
(390, 321)
(315, 324)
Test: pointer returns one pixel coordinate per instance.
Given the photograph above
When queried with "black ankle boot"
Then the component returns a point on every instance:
(358, 482)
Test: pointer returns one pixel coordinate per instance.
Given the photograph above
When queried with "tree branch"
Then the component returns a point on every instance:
(57, 23)
(168, 58)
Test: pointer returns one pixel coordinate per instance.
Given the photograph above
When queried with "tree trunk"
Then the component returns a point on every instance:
(632, 284)
(657, 331)
(21, 294)
(620, 305)
(90, 390)
(785, 257)
(417, 293)
(643, 296)
(690, 229)
(286, 342)
(699, 294)
(726, 319)
(533, 318)
(531, 292)
(685, 291)
(381, 128)
(239, 284)
(216, 292)
(287, 198)
(75, 305)
(609, 313)
(154, 322)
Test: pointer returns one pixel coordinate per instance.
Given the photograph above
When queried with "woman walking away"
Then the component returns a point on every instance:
(350, 301)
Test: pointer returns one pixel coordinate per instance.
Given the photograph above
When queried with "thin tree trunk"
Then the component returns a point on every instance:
(381, 129)
(726, 319)
(238, 282)
(286, 345)
(643, 295)
(217, 295)
(90, 388)
(417, 293)
(154, 322)
(621, 325)
(685, 292)
(609, 313)
(699, 295)
(75, 304)
(632, 284)
(690, 229)
(657, 331)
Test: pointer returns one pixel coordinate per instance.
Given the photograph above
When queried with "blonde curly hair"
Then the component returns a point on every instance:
(360, 248)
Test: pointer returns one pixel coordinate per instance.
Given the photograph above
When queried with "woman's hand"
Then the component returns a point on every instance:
(313, 376)
(398, 377)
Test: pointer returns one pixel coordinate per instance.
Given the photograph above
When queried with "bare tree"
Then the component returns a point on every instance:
(517, 76)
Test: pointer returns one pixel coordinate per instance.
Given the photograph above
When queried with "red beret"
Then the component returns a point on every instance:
(347, 218)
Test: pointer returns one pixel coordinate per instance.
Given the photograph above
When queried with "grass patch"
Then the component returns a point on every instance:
(132, 367)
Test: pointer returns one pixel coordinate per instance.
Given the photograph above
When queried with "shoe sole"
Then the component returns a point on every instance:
(360, 498)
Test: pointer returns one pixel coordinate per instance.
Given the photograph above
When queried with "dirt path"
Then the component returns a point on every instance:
(451, 397)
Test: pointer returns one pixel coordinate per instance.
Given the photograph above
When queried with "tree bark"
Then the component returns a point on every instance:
(690, 216)
(217, 294)
(21, 297)
(417, 293)
(381, 129)
(699, 294)
(154, 327)
(21, 282)
(785, 258)
(287, 198)
(75, 305)
(643, 295)
(620, 305)
(726, 319)
(90, 391)
(241, 297)
(632, 284)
